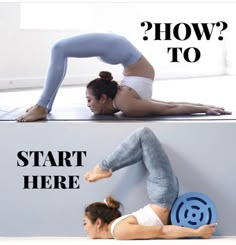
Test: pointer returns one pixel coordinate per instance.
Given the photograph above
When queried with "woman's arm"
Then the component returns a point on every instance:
(127, 231)
(185, 103)
(139, 107)
(188, 108)
(173, 231)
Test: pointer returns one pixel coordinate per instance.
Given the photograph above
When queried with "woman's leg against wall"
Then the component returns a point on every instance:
(143, 146)
(134, 149)
(127, 153)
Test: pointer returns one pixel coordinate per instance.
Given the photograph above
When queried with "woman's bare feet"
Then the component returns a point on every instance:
(28, 109)
(34, 113)
(97, 173)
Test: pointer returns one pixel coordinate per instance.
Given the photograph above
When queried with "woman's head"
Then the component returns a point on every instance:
(99, 214)
(101, 91)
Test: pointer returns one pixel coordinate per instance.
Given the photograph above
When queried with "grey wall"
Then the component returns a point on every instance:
(202, 155)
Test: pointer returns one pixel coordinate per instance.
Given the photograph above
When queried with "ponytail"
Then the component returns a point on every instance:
(107, 211)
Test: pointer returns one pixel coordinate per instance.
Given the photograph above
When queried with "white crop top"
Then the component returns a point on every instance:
(145, 216)
(142, 85)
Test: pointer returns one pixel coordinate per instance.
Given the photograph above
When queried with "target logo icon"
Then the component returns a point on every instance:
(193, 210)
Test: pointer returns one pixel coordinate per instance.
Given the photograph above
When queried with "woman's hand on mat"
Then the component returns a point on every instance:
(212, 110)
(206, 231)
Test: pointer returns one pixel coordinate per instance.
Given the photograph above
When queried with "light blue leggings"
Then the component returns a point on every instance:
(143, 146)
(110, 48)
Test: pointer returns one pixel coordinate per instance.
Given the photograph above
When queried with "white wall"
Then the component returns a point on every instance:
(25, 53)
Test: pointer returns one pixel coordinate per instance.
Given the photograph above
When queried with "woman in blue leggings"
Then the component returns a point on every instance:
(132, 96)
(104, 220)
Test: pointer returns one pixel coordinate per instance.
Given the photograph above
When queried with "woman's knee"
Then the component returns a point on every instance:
(147, 136)
(58, 48)
(145, 132)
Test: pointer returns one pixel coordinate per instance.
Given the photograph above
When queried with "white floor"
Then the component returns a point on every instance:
(87, 241)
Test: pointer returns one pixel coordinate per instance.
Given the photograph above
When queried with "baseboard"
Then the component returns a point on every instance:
(37, 82)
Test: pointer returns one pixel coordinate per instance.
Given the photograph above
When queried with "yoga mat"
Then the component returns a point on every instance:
(78, 113)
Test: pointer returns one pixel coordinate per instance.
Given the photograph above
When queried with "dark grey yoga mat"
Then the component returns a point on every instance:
(78, 113)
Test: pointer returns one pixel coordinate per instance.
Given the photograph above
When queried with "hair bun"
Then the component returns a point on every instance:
(106, 75)
(112, 203)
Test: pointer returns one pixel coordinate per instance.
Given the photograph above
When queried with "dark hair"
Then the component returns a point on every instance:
(106, 211)
(103, 85)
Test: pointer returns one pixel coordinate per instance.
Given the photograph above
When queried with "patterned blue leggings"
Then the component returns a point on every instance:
(143, 146)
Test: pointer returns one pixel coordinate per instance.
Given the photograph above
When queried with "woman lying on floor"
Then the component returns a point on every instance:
(132, 96)
(104, 220)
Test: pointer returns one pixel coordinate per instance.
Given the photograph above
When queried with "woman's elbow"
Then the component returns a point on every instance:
(122, 236)
(132, 111)
(127, 110)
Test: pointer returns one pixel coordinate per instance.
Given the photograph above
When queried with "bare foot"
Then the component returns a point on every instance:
(97, 173)
(34, 113)
(29, 108)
